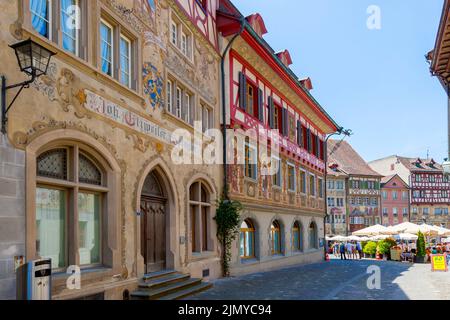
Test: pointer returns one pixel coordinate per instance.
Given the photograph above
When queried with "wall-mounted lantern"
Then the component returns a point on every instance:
(33, 60)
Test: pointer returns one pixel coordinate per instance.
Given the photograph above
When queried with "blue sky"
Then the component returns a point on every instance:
(375, 82)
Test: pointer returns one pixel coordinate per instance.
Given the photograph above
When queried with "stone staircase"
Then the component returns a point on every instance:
(168, 285)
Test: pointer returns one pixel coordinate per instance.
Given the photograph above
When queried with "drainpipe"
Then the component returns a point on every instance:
(224, 113)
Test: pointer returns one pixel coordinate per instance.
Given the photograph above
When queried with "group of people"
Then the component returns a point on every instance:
(439, 248)
(347, 250)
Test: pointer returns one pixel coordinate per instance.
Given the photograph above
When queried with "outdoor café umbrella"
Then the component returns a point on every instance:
(407, 237)
(354, 238)
(443, 232)
(370, 231)
(390, 231)
(426, 229)
(400, 228)
(379, 237)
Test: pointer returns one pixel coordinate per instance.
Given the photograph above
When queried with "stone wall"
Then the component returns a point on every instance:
(12, 214)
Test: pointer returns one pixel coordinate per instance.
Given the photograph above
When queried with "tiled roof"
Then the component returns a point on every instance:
(386, 179)
(338, 173)
(415, 164)
(349, 161)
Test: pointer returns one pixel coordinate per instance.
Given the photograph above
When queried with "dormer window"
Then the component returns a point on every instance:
(431, 163)
(418, 163)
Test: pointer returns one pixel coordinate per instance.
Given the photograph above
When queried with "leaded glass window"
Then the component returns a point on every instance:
(88, 171)
(313, 236)
(56, 237)
(297, 237)
(53, 164)
(247, 240)
(275, 236)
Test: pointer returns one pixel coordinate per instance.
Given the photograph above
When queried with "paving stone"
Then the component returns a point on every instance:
(335, 280)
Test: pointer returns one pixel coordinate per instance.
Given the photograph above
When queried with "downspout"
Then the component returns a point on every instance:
(224, 113)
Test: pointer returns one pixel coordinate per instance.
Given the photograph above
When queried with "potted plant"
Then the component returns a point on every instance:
(370, 249)
(384, 248)
(420, 255)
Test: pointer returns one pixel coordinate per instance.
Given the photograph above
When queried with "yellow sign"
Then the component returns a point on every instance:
(439, 262)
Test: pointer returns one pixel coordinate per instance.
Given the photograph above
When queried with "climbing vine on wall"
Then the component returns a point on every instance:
(227, 219)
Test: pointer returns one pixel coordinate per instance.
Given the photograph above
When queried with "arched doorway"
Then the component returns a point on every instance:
(154, 217)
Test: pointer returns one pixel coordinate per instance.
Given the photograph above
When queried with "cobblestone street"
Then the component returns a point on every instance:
(335, 280)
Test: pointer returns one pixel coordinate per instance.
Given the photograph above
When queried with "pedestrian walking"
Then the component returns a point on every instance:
(349, 249)
(359, 249)
(336, 249)
(342, 251)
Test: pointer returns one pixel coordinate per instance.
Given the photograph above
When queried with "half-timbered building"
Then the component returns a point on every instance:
(429, 187)
(363, 186)
(283, 217)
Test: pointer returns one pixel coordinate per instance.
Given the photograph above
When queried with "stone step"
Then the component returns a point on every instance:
(188, 292)
(163, 281)
(159, 274)
(157, 293)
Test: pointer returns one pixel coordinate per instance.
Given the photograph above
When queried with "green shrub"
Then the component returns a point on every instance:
(420, 245)
(370, 248)
(384, 246)
(363, 245)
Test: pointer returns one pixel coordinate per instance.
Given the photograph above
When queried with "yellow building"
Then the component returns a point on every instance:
(88, 178)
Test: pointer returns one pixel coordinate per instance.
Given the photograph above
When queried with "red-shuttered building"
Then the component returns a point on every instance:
(283, 216)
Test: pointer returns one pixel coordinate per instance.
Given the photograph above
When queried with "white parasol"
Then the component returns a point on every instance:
(370, 231)
(407, 237)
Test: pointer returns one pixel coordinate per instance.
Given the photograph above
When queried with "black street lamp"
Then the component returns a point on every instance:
(33, 60)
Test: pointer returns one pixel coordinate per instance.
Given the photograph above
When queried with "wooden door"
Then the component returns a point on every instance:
(153, 236)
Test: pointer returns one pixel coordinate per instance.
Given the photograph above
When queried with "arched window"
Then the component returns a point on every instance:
(200, 217)
(247, 240)
(312, 236)
(275, 237)
(69, 194)
(297, 241)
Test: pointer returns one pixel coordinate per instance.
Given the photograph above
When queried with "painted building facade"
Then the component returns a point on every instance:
(429, 187)
(336, 222)
(87, 177)
(394, 200)
(283, 216)
(363, 186)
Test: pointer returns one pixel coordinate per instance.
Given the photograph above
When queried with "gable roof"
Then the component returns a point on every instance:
(349, 161)
(417, 164)
(229, 22)
(387, 179)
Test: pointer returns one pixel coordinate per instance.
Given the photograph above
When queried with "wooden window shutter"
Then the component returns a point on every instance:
(322, 150)
(299, 133)
(271, 113)
(284, 121)
(308, 139)
(317, 146)
(242, 91)
(261, 105)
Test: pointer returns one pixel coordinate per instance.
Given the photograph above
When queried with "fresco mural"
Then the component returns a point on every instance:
(153, 85)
